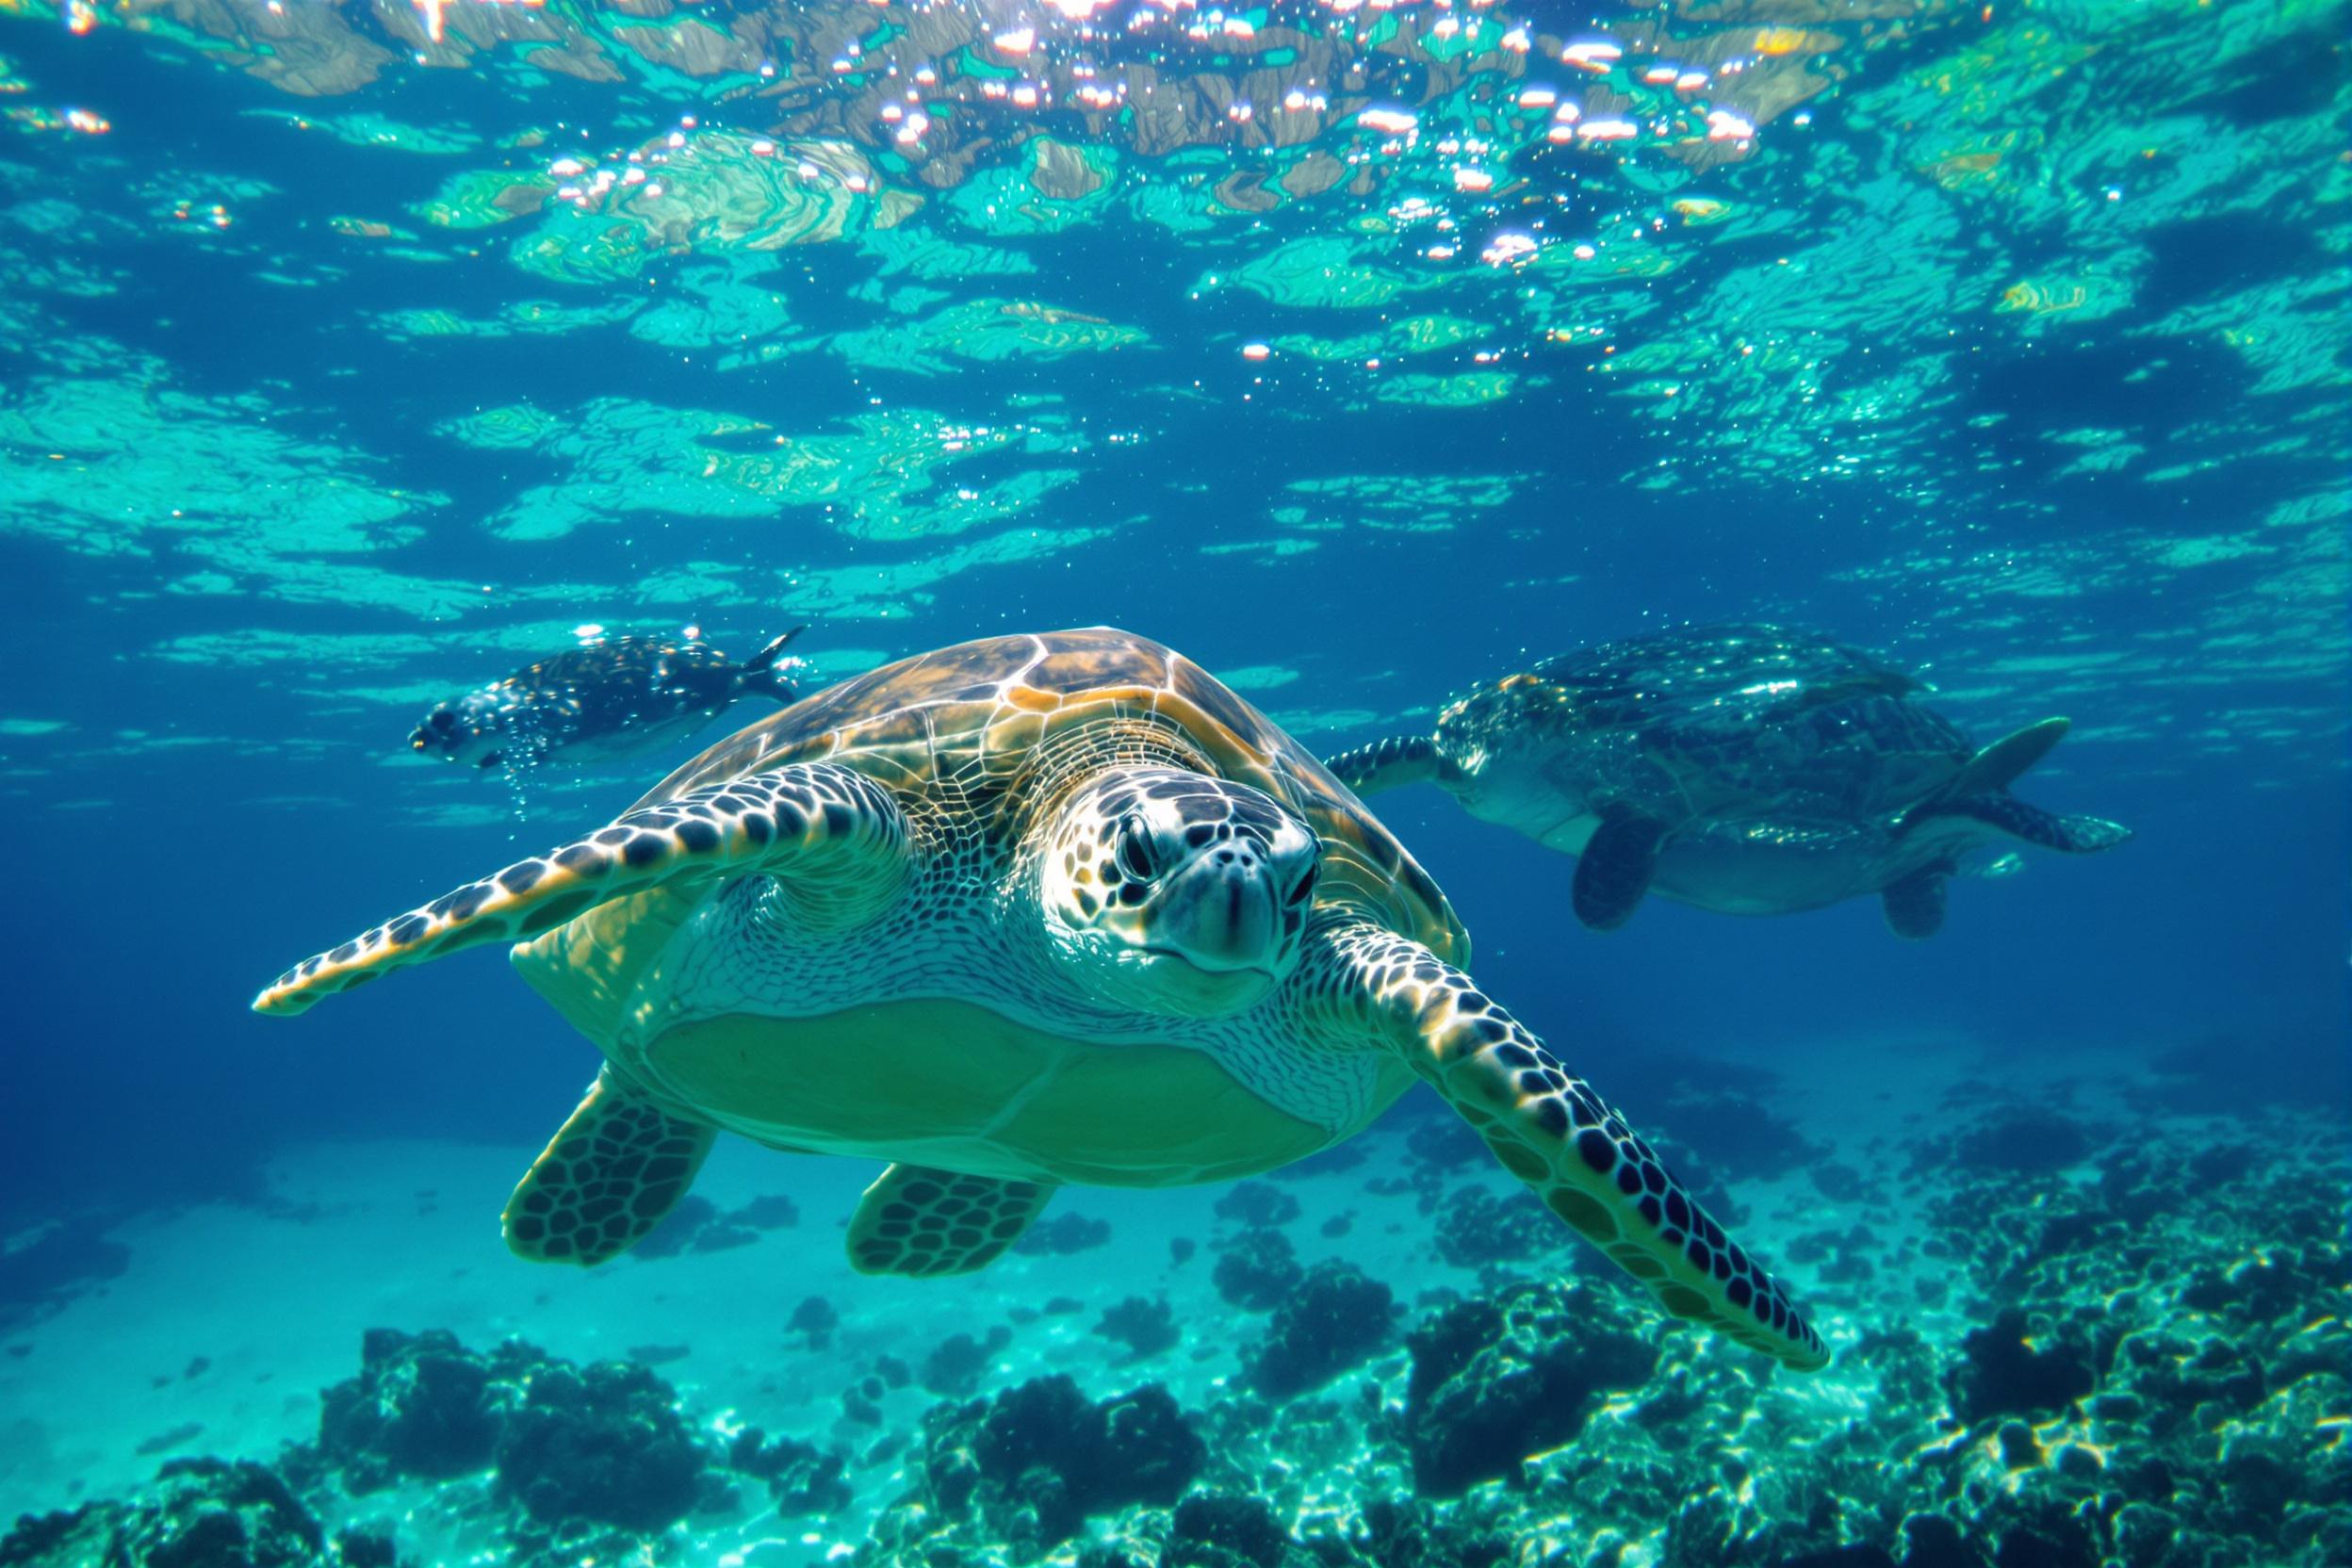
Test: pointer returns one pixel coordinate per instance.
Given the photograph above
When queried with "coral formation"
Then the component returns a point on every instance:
(1331, 1320)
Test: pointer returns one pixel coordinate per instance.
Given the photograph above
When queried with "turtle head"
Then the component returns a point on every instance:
(1175, 893)
(464, 729)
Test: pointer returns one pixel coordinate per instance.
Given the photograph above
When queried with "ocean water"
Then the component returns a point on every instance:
(352, 357)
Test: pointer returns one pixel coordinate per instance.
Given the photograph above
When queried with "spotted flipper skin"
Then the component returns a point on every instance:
(1388, 764)
(1550, 1129)
(612, 1172)
(918, 1221)
(1613, 871)
(1915, 906)
(2069, 835)
(834, 838)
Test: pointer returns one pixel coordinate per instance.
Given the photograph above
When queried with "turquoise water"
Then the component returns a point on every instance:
(353, 358)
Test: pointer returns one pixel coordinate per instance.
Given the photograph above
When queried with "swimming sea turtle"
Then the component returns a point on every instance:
(607, 699)
(1023, 911)
(1748, 769)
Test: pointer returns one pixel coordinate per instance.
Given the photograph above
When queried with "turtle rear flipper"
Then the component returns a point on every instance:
(920, 1222)
(768, 673)
(1993, 769)
(2069, 835)
(1389, 764)
(1614, 869)
(612, 1172)
(1914, 906)
(1550, 1129)
(833, 838)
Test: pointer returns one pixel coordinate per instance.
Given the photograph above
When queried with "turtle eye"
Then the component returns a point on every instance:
(1134, 850)
(1298, 893)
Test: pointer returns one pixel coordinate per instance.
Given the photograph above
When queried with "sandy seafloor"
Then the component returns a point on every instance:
(2176, 1392)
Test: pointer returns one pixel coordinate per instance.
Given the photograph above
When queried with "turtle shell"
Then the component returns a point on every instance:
(982, 731)
(1708, 720)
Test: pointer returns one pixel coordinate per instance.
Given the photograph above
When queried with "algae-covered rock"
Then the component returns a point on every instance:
(1334, 1319)
(602, 1442)
(422, 1405)
(1496, 1379)
(1031, 1464)
(197, 1513)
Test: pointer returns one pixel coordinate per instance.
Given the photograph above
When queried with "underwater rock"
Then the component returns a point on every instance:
(197, 1513)
(1257, 1269)
(2001, 1375)
(1479, 1228)
(1258, 1205)
(38, 1275)
(697, 1226)
(1036, 1461)
(422, 1405)
(953, 1366)
(769, 1211)
(366, 1548)
(1409, 1532)
(2022, 1141)
(1063, 1234)
(816, 1319)
(1445, 1144)
(602, 1442)
(1218, 1529)
(1334, 1319)
(802, 1478)
(1495, 1379)
(1145, 1327)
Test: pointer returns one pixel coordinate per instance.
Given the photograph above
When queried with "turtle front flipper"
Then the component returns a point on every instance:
(1550, 1129)
(1614, 869)
(612, 1172)
(1389, 764)
(834, 838)
(920, 1222)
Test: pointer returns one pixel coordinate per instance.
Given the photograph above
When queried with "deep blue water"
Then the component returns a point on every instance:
(2127, 508)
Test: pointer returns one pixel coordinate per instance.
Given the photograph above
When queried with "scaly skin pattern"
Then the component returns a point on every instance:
(923, 1222)
(612, 1172)
(1549, 1129)
(828, 812)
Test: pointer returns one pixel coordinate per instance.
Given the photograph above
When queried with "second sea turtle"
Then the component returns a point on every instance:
(605, 700)
(1748, 769)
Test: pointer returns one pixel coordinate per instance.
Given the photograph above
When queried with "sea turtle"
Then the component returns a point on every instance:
(610, 698)
(1749, 769)
(1019, 912)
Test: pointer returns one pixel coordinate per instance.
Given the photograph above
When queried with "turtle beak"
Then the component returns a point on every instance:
(1223, 912)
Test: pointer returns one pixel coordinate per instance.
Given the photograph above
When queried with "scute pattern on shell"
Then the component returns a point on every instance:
(965, 727)
(1714, 718)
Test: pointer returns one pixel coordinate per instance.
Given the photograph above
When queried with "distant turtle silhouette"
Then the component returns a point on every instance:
(613, 698)
(1748, 769)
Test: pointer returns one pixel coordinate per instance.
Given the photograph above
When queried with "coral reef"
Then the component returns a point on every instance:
(2138, 1367)
(1065, 1233)
(1334, 1319)
(602, 1442)
(1145, 1327)
(1256, 1269)
(1030, 1465)
(198, 1514)
(1497, 1378)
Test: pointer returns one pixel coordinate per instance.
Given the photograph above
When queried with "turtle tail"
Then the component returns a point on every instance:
(1388, 764)
(768, 674)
